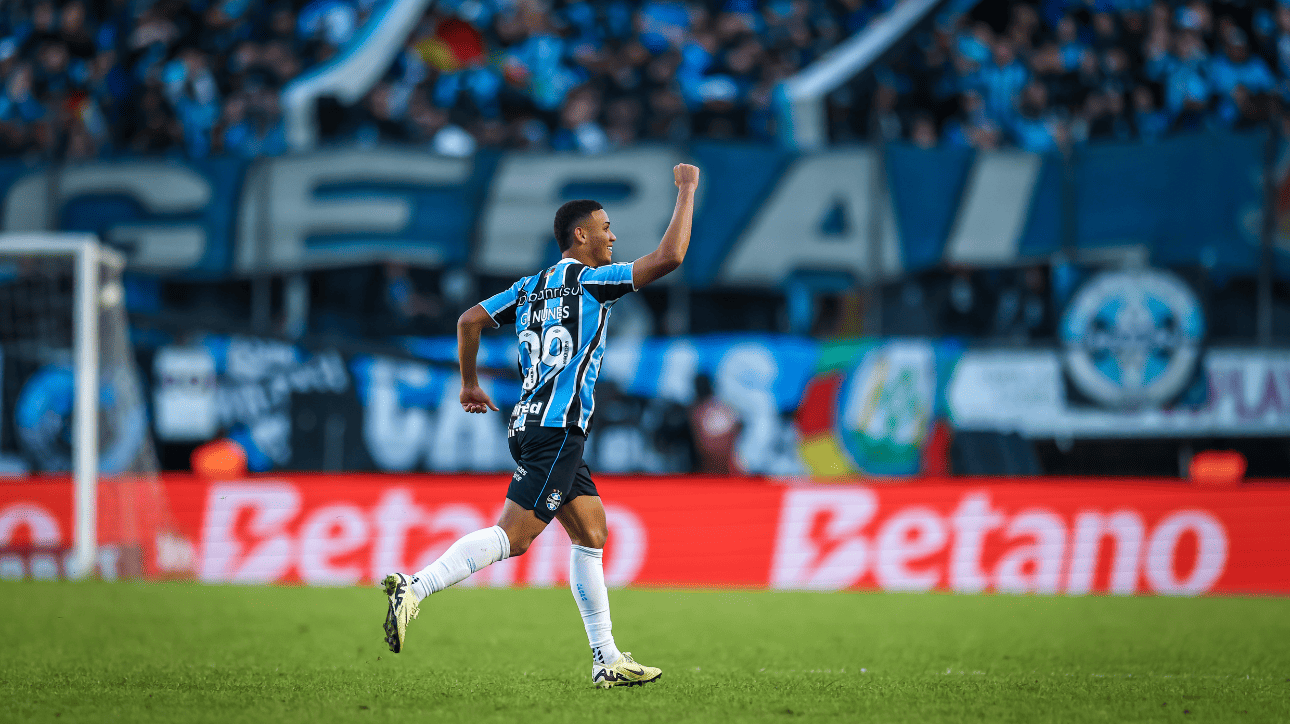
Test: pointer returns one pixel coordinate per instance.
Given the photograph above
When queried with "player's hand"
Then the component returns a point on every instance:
(474, 399)
(686, 175)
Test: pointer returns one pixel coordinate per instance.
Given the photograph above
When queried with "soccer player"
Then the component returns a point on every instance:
(560, 316)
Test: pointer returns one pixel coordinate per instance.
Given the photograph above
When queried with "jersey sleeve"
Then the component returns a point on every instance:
(609, 282)
(501, 306)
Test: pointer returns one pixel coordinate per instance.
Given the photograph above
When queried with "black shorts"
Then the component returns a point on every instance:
(549, 469)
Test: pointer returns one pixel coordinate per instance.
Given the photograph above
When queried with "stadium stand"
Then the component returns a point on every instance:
(205, 76)
(204, 79)
(1041, 76)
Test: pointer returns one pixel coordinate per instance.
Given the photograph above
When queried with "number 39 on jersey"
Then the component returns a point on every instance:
(553, 349)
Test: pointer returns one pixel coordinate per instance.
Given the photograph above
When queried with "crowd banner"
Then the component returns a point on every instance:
(870, 406)
(1242, 392)
(1042, 536)
(798, 406)
(343, 206)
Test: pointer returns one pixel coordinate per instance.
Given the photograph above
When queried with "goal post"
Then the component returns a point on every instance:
(63, 324)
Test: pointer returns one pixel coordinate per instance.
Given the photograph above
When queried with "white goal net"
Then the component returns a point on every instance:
(63, 323)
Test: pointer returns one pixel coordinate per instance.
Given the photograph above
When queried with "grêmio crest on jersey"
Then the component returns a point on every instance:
(560, 316)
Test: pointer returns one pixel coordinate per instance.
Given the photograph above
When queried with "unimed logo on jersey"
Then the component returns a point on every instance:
(834, 539)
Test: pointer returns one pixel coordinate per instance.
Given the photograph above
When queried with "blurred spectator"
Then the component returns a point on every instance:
(923, 134)
(624, 119)
(620, 445)
(331, 21)
(191, 90)
(907, 313)
(1237, 76)
(1035, 126)
(411, 309)
(972, 126)
(18, 103)
(715, 427)
(157, 131)
(1021, 311)
(1150, 121)
(1106, 117)
(385, 109)
(962, 313)
(253, 125)
(578, 129)
(1000, 81)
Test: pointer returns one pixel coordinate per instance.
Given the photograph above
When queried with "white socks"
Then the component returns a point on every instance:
(587, 581)
(485, 547)
(469, 554)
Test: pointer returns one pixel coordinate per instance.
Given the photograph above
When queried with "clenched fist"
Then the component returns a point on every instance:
(686, 175)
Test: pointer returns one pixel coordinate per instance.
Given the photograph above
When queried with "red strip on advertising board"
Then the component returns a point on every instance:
(1035, 536)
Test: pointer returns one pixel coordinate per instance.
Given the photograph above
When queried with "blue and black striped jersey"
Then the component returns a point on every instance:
(560, 316)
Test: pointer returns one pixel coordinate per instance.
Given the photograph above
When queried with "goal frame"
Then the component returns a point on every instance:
(87, 254)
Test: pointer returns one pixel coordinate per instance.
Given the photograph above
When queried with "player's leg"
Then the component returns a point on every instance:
(475, 551)
(466, 555)
(512, 535)
(584, 520)
(547, 460)
(583, 517)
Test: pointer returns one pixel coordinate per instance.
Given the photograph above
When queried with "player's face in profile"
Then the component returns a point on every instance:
(600, 240)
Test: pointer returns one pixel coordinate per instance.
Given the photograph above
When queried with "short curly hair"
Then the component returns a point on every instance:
(569, 216)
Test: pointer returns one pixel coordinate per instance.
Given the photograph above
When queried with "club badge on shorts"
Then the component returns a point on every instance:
(553, 500)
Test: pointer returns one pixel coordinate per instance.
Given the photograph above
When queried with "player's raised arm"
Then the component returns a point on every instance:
(676, 240)
(469, 326)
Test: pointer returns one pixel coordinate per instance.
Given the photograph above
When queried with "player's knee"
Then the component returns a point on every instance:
(520, 545)
(594, 538)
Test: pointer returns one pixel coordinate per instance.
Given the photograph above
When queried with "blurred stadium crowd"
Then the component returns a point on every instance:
(86, 79)
(1041, 76)
(205, 76)
(90, 78)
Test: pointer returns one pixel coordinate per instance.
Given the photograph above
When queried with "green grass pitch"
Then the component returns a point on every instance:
(175, 652)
